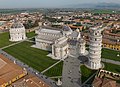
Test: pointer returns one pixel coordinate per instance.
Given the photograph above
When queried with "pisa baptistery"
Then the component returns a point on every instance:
(17, 32)
(95, 46)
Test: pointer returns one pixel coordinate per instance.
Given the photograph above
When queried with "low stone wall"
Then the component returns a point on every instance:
(108, 74)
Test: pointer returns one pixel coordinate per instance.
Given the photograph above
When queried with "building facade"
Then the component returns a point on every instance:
(56, 41)
(17, 32)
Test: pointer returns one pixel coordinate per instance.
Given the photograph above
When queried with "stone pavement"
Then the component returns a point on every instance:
(71, 76)
(111, 61)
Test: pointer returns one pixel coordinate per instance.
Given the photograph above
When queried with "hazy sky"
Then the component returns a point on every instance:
(46, 3)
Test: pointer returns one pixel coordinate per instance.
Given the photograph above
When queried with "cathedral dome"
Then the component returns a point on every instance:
(75, 34)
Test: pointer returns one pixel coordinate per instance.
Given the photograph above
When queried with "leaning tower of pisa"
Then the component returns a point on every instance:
(95, 44)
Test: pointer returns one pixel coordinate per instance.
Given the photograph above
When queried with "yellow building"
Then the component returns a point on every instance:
(112, 46)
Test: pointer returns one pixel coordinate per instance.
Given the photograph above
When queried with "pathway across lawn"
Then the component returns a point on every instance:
(86, 73)
(55, 71)
(111, 61)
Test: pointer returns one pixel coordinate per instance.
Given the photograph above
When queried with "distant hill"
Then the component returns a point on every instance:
(108, 5)
(96, 5)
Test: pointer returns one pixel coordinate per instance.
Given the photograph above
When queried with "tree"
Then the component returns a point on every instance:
(36, 23)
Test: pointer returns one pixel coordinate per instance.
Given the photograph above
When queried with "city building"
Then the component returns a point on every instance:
(54, 41)
(17, 32)
(106, 79)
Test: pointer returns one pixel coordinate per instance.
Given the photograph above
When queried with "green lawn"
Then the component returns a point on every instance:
(33, 57)
(55, 71)
(86, 73)
(112, 67)
(30, 34)
(110, 54)
(4, 39)
(102, 11)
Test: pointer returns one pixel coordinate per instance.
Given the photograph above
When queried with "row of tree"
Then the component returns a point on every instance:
(31, 24)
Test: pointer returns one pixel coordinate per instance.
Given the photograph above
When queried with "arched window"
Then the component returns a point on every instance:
(95, 39)
(95, 33)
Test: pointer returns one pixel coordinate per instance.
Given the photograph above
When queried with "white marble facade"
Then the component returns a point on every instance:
(95, 48)
(17, 32)
(56, 41)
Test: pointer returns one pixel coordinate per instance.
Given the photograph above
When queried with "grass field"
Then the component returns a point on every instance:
(86, 73)
(4, 39)
(55, 71)
(31, 56)
(30, 34)
(102, 11)
(110, 54)
(112, 67)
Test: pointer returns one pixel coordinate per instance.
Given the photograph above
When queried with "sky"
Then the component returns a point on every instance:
(46, 3)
